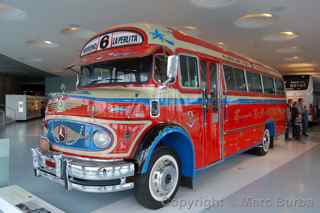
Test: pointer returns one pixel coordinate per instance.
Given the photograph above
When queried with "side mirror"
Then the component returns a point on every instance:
(172, 67)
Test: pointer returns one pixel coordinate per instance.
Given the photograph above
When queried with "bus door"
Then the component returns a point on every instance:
(211, 139)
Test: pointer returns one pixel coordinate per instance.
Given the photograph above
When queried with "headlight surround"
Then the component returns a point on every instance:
(102, 139)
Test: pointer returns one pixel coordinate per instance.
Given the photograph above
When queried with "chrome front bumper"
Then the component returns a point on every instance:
(86, 175)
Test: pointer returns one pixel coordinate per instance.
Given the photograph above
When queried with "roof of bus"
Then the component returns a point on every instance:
(174, 39)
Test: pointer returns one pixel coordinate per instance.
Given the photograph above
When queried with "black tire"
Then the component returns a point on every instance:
(262, 149)
(143, 192)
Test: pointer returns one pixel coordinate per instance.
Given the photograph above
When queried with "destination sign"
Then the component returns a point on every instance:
(112, 40)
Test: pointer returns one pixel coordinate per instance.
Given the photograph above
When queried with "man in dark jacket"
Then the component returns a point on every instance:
(289, 121)
(296, 121)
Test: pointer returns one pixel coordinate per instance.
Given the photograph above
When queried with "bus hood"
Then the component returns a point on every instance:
(104, 103)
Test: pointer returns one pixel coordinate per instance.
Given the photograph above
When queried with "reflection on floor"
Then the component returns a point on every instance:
(289, 171)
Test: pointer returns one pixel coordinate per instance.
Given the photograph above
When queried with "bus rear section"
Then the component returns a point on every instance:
(305, 87)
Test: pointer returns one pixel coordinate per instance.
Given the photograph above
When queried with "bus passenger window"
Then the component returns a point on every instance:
(203, 72)
(234, 78)
(213, 87)
(268, 84)
(213, 83)
(254, 82)
(280, 87)
(160, 68)
(189, 71)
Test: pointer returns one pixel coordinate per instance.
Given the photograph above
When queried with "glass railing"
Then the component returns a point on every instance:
(7, 115)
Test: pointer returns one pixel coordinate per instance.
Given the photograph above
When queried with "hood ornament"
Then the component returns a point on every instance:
(61, 107)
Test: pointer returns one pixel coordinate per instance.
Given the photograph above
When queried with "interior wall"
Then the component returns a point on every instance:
(53, 84)
(8, 85)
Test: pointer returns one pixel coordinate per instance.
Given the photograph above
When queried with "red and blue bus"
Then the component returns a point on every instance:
(155, 106)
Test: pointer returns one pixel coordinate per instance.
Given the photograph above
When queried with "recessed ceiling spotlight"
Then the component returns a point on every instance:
(293, 58)
(282, 36)
(76, 31)
(36, 60)
(254, 20)
(42, 43)
(220, 43)
(10, 13)
(212, 4)
(71, 29)
(190, 27)
(289, 50)
(301, 65)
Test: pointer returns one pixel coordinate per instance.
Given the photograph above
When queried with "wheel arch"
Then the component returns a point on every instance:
(177, 139)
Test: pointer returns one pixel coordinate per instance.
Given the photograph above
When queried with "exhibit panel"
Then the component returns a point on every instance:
(25, 107)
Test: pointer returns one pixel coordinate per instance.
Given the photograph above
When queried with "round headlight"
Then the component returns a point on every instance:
(102, 140)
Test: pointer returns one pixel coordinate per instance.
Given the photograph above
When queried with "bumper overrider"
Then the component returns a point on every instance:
(98, 176)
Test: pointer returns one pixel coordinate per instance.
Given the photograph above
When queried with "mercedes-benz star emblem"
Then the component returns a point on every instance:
(61, 133)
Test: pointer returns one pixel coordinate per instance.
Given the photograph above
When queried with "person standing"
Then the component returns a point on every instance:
(289, 121)
(304, 116)
(305, 121)
(296, 121)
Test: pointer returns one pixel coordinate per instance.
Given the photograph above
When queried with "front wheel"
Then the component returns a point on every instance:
(159, 185)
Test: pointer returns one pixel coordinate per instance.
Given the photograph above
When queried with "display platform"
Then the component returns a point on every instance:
(24, 201)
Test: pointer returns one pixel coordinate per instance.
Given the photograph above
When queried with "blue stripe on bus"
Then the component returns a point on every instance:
(182, 101)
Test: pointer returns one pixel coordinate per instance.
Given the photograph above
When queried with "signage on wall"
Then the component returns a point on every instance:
(112, 40)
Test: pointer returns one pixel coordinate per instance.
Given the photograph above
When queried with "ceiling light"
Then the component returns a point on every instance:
(289, 50)
(71, 28)
(42, 43)
(10, 13)
(282, 36)
(190, 27)
(299, 65)
(293, 58)
(212, 4)
(254, 20)
(289, 33)
(36, 60)
(76, 31)
(220, 43)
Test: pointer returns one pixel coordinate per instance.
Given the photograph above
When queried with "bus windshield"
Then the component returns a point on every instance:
(135, 70)
(296, 82)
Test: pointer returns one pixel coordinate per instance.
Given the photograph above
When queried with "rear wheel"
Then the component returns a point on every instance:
(266, 144)
(159, 185)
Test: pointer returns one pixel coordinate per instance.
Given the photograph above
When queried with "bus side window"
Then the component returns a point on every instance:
(189, 71)
(213, 86)
(254, 82)
(234, 79)
(160, 68)
(279, 87)
(268, 84)
(203, 74)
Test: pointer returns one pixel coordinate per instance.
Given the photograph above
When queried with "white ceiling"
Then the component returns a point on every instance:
(45, 19)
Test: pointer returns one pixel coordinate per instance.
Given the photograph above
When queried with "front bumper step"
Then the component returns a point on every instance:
(97, 176)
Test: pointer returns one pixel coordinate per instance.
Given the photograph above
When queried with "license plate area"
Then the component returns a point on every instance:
(50, 163)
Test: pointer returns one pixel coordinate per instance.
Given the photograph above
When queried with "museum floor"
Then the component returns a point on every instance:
(286, 180)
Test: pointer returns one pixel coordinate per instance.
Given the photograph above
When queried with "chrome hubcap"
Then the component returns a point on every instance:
(266, 140)
(163, 178)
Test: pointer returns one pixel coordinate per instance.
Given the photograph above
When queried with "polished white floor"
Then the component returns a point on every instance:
(236, 175)
(222, 180)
